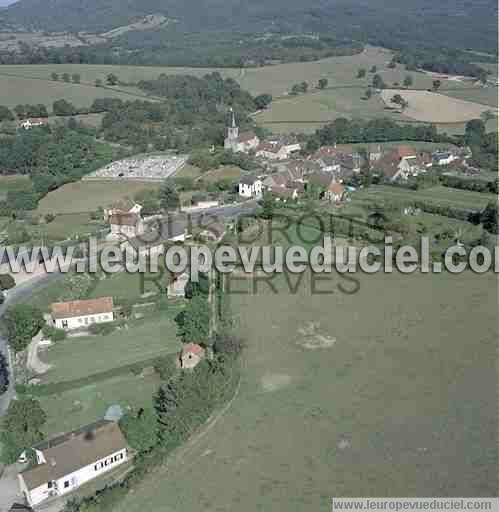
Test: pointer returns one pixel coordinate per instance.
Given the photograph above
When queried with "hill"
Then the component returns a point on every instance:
(392, 23)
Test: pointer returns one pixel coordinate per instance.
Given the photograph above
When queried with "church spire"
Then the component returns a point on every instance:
(233, 118)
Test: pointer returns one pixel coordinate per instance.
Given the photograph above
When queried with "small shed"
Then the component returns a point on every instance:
(191, 355)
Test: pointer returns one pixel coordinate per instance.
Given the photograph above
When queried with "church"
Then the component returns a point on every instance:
(240, 143)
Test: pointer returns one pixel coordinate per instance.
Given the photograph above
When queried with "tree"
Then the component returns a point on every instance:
(397, 99)
(369, 93)
(267, 206)
(20, 111)
(323, 83)
(194, 322)
(486, 116)
(76, 77)
(63, 108)
(378, 82)
(392, 64)
(408, 81)
(168, 195)
(262, 101)
(54, 76)
(141, 429)
(22, 322)
(488, 218)
(21, 428)
(6, 114)
(98, 82)
(373, 69)
(66, 78)
(4, 374)
(361, 73)
(112, 79)
(7, 282)
(436, 85)
(474, 132)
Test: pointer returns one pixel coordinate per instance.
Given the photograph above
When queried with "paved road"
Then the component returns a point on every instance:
(20, 293)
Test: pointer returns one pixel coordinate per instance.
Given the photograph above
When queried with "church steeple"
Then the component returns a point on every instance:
(232, 130)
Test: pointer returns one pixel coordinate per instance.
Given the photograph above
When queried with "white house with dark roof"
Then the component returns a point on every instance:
(126, 225)
(82, 313)
(250, 187)
(65, 463)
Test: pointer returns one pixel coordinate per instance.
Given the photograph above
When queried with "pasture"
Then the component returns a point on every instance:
(87, 196)
(14, 183)
(71, 409)
(142, 339)
(435, 108)
(344, 394)
(442, 196)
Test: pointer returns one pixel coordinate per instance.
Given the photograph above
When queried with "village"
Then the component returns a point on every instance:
(332, 175)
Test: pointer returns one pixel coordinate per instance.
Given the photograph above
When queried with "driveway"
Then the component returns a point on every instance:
(9, 488)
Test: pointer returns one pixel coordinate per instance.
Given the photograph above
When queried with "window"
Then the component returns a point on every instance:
(49, 485)
(96, 467)
(86, 321)
(64, 324)
(92, 319)
(66, 484)
(80, 320)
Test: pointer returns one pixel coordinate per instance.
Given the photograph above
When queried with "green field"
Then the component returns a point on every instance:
(16, 183)
(442, 196)
(71, 409)
(303, 113)
(63, 227)
(87, 196)
(82, 356)
(398, 398)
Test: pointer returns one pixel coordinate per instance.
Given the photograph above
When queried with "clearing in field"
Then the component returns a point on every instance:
(402, 403)
(87, 196)
(435, 108)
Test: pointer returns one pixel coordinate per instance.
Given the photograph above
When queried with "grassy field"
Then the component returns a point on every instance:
(348, 395)
(71, 409)
(13, 183)
(304, 113)
(443, 196)
(87, 196)
(63, 227)
(435, 108)
(82, 356)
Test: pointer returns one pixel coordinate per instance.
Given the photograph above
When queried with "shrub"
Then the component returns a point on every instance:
(49, 218)
(53, 333)
(6, 282)
(102, 329)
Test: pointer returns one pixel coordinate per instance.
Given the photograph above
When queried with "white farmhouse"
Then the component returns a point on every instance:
(34, 122)
(444, 158)
(65, 463)
(81, 313)
(250, 187)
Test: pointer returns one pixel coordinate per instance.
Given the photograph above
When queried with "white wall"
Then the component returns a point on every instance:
(75, 480)
(83, 321)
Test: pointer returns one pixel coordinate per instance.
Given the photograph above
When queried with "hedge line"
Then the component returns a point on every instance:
(54, 388)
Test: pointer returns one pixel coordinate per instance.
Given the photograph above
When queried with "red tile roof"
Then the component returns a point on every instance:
(193, 348)
(405, 151)
(77, 308)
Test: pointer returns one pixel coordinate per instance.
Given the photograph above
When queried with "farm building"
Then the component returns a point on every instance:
(121, 207)
(126, 225)
(191, 355)
(34, 122)
(81, 313)
(176, 288)
(67, 462)
(278, 149)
